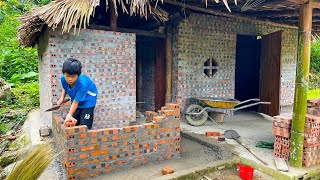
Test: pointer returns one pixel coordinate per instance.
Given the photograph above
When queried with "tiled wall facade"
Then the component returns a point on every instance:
(108, 58)
(200, 37)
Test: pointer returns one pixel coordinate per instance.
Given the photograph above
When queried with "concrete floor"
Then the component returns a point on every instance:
(252, 127)
(192, 155)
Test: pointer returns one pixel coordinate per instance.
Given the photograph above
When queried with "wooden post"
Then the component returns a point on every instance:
(139, 75)
(168, 63)
(301, 86)
(113, 17)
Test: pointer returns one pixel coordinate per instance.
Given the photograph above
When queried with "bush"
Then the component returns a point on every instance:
(17, 64)
(26, 95)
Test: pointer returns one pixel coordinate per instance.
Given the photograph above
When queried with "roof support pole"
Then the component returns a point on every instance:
(113, 18)
(301, 85)
(168, 64)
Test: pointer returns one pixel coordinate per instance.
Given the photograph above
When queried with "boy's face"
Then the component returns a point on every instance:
(71, 78)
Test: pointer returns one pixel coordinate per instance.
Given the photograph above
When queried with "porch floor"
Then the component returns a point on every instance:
(252, 127)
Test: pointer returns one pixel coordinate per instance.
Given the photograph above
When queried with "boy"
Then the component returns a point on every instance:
(82, 91)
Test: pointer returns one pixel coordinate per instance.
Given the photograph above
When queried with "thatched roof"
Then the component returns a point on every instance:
(69, 14)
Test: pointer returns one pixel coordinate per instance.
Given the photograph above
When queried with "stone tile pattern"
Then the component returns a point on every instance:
(86, 154)
(108, 58)
(281, 131)
(200, 37)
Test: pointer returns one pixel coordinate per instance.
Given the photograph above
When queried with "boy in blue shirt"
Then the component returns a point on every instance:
(82, 91)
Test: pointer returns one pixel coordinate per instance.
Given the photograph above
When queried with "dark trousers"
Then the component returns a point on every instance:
(84, 116)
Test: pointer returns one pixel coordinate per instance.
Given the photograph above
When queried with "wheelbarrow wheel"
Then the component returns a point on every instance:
(196, 120)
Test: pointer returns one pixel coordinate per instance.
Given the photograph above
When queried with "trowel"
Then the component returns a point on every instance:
(232, 134)
(57, 107)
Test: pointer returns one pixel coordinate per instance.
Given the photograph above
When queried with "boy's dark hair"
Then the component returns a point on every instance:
(71, 66)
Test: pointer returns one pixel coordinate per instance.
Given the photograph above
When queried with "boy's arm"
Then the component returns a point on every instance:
(73, 109)
(63, 95)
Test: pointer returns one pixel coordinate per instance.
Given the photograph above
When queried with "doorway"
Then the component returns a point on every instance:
(150, 73)
(258, 70)
(247, 68)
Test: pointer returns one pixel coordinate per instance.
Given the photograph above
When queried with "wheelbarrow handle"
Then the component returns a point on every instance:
(243, 102)
(266, 102)
(250, 105)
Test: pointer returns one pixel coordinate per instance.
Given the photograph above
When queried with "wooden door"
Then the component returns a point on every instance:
(160, 74)
(270, 73)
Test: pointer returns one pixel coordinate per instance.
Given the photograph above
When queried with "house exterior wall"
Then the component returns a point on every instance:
(200, 37)
(108, 58)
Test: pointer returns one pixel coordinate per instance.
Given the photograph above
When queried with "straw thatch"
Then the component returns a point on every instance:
(68, 14)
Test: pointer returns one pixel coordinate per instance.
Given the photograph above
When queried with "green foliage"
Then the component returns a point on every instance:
(17, 65)
(26, 95)
(41, 2)
(314, 93)
(3, 128)
(315, 58)
(315, 66)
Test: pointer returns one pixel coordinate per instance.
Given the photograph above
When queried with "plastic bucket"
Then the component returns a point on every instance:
(245, 172)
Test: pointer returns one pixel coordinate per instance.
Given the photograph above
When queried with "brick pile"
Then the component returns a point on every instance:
(281, 131)
(311, 147)
(88, 153)
(311, 150)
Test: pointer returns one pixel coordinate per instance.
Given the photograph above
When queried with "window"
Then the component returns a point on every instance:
(210, 67)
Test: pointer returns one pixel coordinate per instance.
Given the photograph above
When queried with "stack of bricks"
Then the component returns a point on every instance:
(281, 131)
(88, 153)
(311, 151)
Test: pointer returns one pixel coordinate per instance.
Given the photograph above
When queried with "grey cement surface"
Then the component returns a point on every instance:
(192, 155)
(252, 128)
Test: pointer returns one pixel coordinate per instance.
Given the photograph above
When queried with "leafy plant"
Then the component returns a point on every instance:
(26, 95)
(16, 64)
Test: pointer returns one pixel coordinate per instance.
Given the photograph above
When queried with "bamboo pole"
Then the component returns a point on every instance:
(301, 86)
(168, 64)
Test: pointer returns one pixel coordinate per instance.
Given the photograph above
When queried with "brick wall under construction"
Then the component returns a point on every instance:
(200, 37)
(87, 154)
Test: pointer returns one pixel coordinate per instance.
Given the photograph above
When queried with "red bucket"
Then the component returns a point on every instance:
(245, 172)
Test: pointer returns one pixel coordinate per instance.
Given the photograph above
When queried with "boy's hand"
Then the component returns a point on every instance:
(60, 101)
(69, 118)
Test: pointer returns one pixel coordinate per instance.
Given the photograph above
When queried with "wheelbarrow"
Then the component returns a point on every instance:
(197, 114)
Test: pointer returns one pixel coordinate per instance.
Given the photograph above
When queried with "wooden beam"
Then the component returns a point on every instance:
(113, 18)
(315, 4)
(168, 64)
(229, 15)
(288, 13)
(301, 85)
(125, 30)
